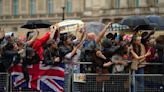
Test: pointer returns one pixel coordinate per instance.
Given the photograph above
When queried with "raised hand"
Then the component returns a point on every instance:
(148, 53)
(102, 33)
(108, 25)
(53, 29)
(56, 59)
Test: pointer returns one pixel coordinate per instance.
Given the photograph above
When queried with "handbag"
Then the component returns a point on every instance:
(134, 65)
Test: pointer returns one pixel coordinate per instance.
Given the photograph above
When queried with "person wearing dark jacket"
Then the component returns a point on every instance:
(51, 54)
(9, 55)
(160, 50)
(31, 58)
(91, 51)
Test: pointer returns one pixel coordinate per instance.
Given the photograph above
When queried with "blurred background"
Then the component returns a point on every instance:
(14, 13)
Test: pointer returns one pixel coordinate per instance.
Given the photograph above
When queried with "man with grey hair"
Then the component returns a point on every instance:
(91, 51)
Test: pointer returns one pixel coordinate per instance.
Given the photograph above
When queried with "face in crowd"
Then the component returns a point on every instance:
(138, 41)
(91, 36)
(68, 41)
(54, 45)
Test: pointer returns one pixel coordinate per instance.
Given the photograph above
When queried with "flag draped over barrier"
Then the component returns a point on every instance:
(42, 77)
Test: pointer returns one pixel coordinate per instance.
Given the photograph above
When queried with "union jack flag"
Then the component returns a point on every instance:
(42, 77)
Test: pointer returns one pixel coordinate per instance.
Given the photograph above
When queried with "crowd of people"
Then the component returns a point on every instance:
(114, 53)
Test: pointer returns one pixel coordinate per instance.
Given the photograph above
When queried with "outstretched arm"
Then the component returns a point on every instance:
(33, 38)
(140, 57)
(102, 33)
(77, 47)
(83, 34)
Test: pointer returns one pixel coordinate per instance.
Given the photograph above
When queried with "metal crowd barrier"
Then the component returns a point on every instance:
(119, 83)
(123, 82)
(92, 82)
(152, 83)
(142, 63)
(4, 82)
(102, 83)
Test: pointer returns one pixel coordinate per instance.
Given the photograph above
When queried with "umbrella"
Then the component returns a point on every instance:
(137, 23)
(151, 26)
(156, 19)
(34, 24)
(118, 27)
(70, 25)
(95, 27)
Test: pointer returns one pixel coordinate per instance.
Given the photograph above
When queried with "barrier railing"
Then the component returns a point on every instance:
(102, 83)
(118, 83)
(129, 82)
(93, 82)
(4, 82)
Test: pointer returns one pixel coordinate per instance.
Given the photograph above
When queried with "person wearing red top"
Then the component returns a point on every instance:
(38, 45)
(152, 57)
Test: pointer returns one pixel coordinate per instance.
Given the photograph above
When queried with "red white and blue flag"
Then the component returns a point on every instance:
(44, 78)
